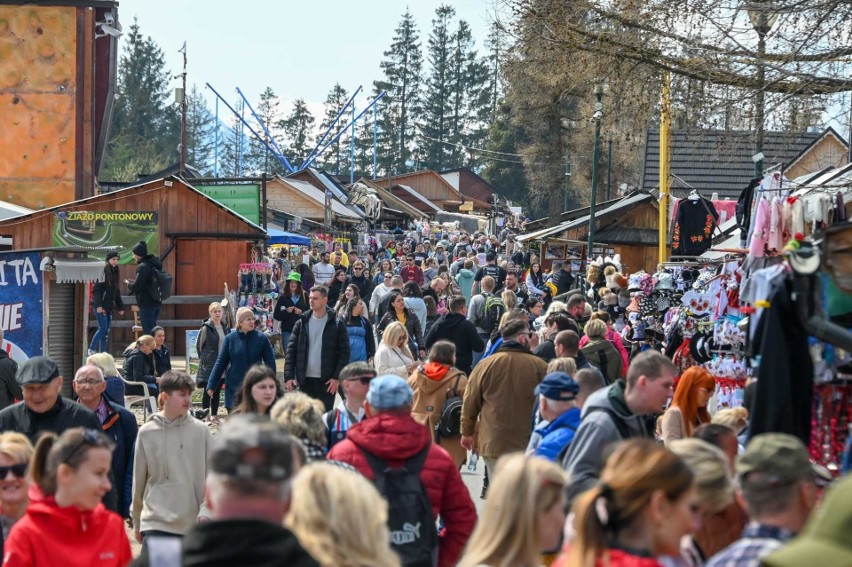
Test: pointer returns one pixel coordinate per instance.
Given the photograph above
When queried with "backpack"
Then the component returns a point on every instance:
(494, 309)
(161, 286)
(449, 424)
(413, 535)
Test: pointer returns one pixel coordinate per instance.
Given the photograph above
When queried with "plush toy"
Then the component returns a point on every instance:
(609, 275)
(593, 273)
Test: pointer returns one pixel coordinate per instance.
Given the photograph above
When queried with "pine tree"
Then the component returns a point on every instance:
(143, 118)
(334, 156)
(234, 146)
(259, 158)
(298, 129)
(200, 132)
(402, 68)
(364, 147)
(438, 113)
(505, 170)
(471, 115)
(496, 45)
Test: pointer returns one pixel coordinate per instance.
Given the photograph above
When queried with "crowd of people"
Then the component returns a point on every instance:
(400, 369)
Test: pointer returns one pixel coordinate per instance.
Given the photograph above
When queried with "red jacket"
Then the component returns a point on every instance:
(395, 437)
(50, 535)
(617, 558)
(412, 274)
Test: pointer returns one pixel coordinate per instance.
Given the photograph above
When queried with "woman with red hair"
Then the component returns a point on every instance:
(689, 404)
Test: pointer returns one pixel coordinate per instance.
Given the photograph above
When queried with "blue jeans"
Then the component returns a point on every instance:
(99, 340)
(148, 318)
(285, 340)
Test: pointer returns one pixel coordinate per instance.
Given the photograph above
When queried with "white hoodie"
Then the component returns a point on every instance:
(169, 471)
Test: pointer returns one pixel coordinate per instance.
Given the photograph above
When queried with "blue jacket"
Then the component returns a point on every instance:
(241, 351)
(558, 434)
(121, 426)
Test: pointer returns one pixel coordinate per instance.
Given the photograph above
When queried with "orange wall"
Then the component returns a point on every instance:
(38, 105)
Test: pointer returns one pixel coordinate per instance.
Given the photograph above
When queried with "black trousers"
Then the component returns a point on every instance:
(318, 388)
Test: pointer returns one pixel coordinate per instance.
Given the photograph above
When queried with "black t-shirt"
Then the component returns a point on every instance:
(493, 270)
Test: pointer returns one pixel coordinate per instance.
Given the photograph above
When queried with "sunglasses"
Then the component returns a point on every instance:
(365, 380)
(18, 470)
(357, 269)
(92, 438)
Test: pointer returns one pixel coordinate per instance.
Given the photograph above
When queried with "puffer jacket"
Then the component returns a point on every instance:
(395, 437)
(139, 367)
(239, 353)
(52, 535)
(432, 384)
(207, 346)
(605, 357)
(335, 349)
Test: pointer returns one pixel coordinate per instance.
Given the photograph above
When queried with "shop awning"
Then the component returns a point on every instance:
(78, 270)
(276, 236)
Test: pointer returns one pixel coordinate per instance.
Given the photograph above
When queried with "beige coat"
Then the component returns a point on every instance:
(429, 397)
(500, 394)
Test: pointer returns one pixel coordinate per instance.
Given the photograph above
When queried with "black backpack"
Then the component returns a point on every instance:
(161, 285)
(413, 535)
(449, 425)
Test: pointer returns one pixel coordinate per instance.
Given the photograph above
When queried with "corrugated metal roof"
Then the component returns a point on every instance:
(627, 202)
(720, 161)
(315, 194)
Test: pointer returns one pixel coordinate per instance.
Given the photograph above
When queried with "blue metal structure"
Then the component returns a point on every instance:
(332, 125)
(280, 155)
(352, 149)
(216, 144)
(375, 142)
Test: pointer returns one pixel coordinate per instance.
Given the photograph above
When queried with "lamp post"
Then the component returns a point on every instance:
(762, 23)
(596, 118)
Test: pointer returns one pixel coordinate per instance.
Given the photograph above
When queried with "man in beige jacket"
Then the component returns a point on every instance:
(500, 394)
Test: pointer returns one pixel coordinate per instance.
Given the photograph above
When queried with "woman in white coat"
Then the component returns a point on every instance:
(393, 355)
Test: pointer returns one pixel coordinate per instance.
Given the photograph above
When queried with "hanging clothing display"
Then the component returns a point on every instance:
(693, 227)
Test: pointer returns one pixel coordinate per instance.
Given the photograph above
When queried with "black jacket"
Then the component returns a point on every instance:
(546, 350)
(162, 360)
(10, 390)
(225, 543)
(564, 281)
(63, 415)
(365, 285)
(288, 319)
(335, 349)
(143, 286)
(106, 294)
(139, 367)
(412, 325)
(455, 328)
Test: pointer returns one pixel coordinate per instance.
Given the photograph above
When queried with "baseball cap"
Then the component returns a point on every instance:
(825, 541)
(249, 447)
(37, 370)
(778, 458)
(558, 386)
(388, 392)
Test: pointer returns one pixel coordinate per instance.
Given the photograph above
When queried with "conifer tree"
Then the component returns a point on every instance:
(334, 157)
(298, 129)
(259, 158)
(200, 132)
(438, 116)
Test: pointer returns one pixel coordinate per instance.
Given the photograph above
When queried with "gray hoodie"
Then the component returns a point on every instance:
(169, 472)
(596, 434)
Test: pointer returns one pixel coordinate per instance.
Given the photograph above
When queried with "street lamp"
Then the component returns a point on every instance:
(762, 22)
(596, 118)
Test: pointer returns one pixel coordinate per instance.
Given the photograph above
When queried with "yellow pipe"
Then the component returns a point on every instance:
(665, 165)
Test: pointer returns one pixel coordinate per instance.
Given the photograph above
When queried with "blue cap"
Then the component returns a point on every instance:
(558, 386)
(388, 392)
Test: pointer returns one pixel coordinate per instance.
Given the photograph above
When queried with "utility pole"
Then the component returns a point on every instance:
(609, 170)
(762, 23)
(665, 165)
(596, 118)
(183, 108)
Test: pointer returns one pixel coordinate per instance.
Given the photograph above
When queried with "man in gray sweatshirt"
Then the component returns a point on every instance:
(618, 412)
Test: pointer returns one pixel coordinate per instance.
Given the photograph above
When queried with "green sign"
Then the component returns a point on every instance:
(122, 229)
(242, 199)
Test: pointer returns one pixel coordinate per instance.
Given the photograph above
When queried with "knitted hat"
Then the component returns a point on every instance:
(141, 249)
(244, 313)
(111, 255)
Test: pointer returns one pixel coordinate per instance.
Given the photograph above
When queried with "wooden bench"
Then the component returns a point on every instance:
(134, 324)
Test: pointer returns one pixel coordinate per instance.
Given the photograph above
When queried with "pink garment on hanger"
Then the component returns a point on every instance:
(761, 229)
(775, 227)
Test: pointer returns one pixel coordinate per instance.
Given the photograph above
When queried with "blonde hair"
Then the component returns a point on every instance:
(509, 299)
(143, 340)
(340, 518)
(565, 364)
(595, 329)
(212, 306)
(16, 446)
(710, 467)
(105, 362)
(555, 307)
(393, 333)
(735, 419)
(301, 416)
(507, 533)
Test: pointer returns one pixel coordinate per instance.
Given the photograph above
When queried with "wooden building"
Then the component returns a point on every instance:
(481, 193)
(830, 150)
(294, 198)
(628, 227)
(56, 93)
(425, 190)
(200, 242)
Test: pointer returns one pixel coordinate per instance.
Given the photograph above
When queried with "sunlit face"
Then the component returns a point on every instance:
(550, 525)
(294, 286)
(656, 392)
(399, 303)
(41, 397)
(247, 324)
(88, 386)
(160, 338)
(358, 309)
(85, 487)
(536, 309)
(146, 348)
(177, 402)
(349, 293)
(341, 276)
(14, 485)
(536, 268)
(511, 281)
(263, 393)
(679, 518)
(703, 396)
(216, 314)
(317, 301)
(113, 261)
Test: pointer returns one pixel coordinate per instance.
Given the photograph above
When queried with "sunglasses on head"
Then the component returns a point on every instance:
(18, 470)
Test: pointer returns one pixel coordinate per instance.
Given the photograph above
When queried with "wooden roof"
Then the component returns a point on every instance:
(428, 184)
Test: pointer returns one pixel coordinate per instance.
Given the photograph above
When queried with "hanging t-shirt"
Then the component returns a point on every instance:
(693, 228)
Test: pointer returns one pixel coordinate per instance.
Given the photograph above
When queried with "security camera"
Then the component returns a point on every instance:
(597, 116)
(107, 30)
(110, 21)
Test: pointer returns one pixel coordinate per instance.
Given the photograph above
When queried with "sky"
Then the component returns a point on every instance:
(298, 48)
